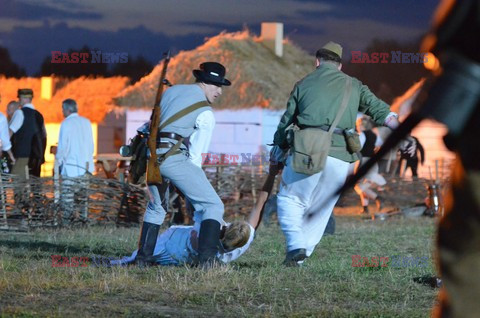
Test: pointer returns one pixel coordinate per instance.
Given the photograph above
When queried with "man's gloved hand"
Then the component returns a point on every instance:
(277, 159)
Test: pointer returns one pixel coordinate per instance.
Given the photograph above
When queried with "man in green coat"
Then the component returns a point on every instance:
(305, 202)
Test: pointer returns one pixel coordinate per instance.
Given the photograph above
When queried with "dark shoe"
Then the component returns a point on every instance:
(208, 243)
(365, 210)
(294, 257)
(146, 245)
(431, 281)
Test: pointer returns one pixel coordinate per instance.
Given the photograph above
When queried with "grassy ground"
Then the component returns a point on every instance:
(256, 285)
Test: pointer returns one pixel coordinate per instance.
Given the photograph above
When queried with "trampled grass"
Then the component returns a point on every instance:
(255, 285)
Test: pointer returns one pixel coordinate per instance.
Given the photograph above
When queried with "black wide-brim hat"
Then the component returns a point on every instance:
(212, 73)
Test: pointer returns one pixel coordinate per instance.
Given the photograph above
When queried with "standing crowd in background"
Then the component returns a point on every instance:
(23, 141)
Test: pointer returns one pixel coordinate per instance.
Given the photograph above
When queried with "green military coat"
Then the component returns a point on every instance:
(315, 101)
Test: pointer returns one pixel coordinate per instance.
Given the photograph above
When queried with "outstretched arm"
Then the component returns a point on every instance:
(254, 217)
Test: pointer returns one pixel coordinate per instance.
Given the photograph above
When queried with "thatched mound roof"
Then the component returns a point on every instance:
(258, 76)
(93, 95)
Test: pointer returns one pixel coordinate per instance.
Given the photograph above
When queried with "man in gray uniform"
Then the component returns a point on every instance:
(190, 101)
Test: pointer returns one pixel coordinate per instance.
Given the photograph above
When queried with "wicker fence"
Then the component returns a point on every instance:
(42, 202)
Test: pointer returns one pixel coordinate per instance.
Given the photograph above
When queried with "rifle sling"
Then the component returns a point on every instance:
(172, 151)
(183, 112)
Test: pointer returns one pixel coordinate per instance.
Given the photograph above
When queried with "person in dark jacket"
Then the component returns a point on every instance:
(29, 136)
(412, 161)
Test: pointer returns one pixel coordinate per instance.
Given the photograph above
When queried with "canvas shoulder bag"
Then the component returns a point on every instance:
(312, 145)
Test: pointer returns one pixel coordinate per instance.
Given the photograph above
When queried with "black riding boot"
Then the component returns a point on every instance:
(146, 245)
(208, 242)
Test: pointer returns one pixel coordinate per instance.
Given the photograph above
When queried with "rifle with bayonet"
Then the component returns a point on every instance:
(153, 168)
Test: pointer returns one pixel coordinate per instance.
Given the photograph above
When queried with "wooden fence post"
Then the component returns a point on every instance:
(28, 193)
(87, 186)
(4, 202)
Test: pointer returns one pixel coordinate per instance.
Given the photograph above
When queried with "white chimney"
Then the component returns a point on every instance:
(46, 91)
(272, 36)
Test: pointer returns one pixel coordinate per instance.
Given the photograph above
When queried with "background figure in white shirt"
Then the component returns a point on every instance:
(74, 154)
(29, 137)
(6, 145)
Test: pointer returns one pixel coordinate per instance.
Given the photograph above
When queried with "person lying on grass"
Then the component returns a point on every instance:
(178, 245)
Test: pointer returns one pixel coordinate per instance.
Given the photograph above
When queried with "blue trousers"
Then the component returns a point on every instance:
(192, 182)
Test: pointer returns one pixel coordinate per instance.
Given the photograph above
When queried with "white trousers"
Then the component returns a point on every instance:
(305, 203)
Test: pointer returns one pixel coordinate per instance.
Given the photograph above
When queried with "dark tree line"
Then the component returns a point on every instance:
(8, 68)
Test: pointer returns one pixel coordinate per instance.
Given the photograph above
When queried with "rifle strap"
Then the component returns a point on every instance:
(343, 106)
(183, 112)
(172, 151)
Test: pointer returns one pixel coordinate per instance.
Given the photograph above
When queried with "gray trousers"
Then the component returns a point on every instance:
(192, 182)
(74, 188)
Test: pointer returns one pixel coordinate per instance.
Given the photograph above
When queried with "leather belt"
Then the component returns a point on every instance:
(170, 135)
(164, 145)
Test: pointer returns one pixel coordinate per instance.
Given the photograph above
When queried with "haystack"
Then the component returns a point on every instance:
(259, 77)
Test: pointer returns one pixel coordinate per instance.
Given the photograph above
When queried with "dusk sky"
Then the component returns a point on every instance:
(31, 29)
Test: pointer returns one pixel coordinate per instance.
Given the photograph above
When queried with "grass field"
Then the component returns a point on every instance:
(255, 285)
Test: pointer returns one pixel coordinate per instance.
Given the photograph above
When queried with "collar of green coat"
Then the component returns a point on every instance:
(328, 65)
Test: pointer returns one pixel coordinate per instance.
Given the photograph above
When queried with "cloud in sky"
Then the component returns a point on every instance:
(33, 11)
(149, 27)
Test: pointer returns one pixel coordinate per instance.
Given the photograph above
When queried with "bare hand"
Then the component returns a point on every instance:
(411, 145)
(12, 158)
